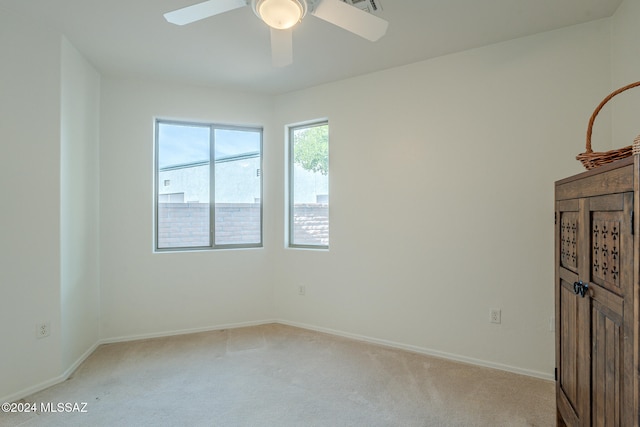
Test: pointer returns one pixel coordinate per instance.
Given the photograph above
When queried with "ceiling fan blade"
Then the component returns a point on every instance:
(351, 19)
(281, 47)
(199, 11)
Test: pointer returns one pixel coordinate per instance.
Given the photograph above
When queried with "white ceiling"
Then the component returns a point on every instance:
(232, 50)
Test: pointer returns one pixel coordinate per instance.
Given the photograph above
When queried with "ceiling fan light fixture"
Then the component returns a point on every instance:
(280, 14)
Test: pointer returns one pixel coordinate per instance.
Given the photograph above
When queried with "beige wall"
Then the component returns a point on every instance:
(460, 154)
(49, 215)
(625, 66)
(79, 199)
(146, 293)
(30, 207)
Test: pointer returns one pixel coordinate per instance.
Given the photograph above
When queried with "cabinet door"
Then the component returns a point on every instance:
(611, 301)
(572, 314)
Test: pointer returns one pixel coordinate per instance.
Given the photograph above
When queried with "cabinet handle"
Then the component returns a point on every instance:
(576, 287)
(583, 289)
(580, 288)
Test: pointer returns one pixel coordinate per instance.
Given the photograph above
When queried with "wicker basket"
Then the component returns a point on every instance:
(591, 159)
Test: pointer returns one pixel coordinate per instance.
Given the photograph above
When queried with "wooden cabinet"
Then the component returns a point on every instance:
(596, 294)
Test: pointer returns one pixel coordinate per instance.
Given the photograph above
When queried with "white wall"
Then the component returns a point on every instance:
(459, 155)
(30, 207)
(146, 293)
(79, 198)
(625, 60)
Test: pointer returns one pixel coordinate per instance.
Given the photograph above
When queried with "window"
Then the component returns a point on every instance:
(309, 185)
(199, 163)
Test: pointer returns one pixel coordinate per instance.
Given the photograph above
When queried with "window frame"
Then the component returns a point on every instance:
(212, 173)
(290, 183)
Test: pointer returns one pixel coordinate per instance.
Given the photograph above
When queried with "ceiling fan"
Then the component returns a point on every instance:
(282, 15)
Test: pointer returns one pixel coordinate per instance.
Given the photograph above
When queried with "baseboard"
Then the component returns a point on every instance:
(422, 350)
(46, 384)
(392, 344)
(126, 338)
(78, 362)
(33, 389)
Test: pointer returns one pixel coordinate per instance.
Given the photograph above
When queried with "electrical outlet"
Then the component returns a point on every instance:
(43, 329)
(495, 315)
(302, 290)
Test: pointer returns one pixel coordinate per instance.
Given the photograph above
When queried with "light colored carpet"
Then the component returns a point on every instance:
(276, 375)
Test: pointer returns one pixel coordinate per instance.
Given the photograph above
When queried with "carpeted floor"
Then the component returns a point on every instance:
(276, 375)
